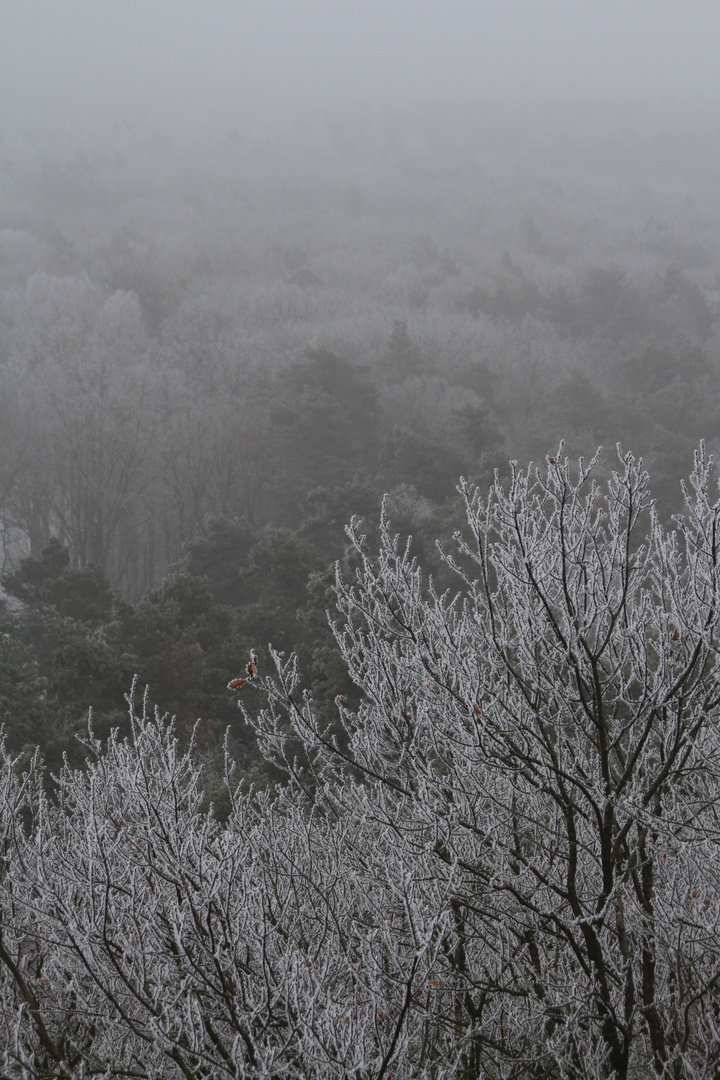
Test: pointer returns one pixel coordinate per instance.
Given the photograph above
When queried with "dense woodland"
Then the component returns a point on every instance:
(218, 345)
(503, 863)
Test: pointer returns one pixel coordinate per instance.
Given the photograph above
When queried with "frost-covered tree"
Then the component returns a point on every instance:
(544, 743)
(505, 864)
(141, 937)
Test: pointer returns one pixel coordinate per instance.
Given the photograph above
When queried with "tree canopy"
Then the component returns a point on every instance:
(506, 866)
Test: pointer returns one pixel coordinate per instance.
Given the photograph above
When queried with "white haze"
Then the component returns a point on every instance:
(75, 61)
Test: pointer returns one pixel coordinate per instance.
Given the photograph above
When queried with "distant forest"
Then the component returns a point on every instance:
(217, 348)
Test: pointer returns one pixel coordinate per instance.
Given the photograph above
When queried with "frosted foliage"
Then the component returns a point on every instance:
(544, 743)
(140, 937)
(504, 865)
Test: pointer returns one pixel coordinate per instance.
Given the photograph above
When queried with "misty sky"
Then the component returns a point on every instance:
(250, 56)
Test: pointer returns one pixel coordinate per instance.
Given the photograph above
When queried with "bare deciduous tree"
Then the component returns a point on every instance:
(545, 742)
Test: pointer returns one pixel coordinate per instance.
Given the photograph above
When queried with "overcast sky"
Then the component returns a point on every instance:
(112, 56)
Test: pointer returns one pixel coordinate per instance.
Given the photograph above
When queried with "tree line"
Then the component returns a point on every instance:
(196, 328)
